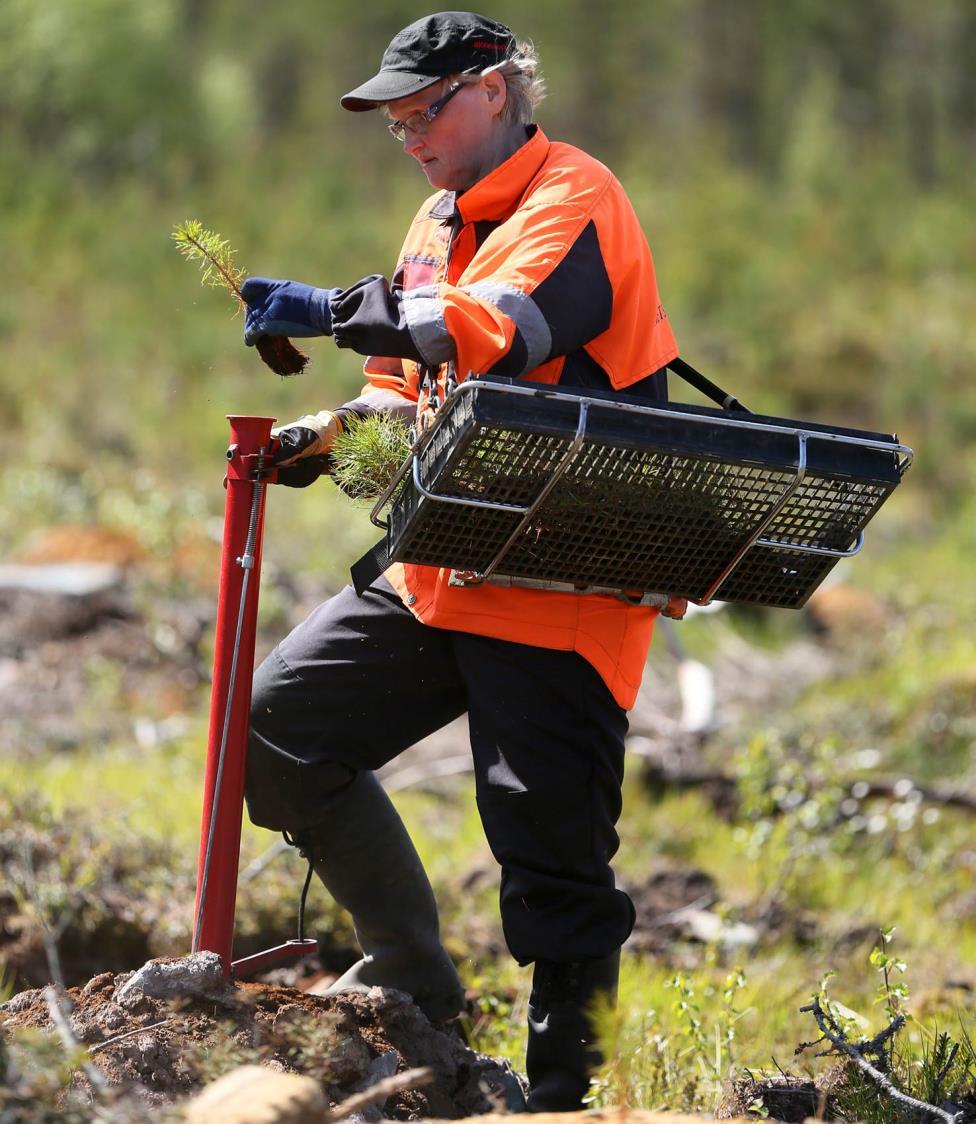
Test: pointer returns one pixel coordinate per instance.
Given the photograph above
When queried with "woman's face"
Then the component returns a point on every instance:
(458, 147)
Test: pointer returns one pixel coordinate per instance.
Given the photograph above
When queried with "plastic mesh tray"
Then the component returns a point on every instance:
(667, 498)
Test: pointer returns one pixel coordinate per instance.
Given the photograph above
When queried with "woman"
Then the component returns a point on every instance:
(528, 262)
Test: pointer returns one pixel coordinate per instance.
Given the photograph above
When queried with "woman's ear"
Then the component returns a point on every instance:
(496, 91)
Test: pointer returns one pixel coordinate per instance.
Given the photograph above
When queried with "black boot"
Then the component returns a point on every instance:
(562, 1052)
(363, 854)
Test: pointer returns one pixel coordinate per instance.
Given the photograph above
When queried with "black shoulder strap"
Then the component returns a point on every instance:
(371, 565)
(707, 387)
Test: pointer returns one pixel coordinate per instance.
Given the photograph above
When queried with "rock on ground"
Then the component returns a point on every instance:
(253, 1094)
(169, 978)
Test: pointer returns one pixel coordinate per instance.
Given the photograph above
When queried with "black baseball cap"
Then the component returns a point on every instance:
(430, 49)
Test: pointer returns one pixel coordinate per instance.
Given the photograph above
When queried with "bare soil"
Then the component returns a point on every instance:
(165, 1050)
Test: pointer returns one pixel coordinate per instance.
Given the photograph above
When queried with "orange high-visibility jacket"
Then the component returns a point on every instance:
(539, 271)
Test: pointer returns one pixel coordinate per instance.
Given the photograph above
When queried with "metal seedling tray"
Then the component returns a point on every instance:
(528, 484)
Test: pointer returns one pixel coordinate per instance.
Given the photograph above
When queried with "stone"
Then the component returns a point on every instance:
(252, 1094)
(201, 973)
(381, 1068)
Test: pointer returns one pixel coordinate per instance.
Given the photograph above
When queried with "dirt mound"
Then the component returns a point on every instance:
(174, 1026)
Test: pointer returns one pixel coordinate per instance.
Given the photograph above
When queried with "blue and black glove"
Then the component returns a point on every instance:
(285, 308)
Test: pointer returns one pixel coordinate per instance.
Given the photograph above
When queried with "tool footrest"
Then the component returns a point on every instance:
(276, 957)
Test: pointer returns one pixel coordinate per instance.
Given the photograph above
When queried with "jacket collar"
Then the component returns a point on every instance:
(494, 196)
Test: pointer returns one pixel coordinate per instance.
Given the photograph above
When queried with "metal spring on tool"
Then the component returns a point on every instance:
(247, 558)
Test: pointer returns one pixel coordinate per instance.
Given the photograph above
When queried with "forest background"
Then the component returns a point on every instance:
(804, 173)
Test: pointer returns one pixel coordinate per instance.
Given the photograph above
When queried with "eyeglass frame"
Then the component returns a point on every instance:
(398, 129)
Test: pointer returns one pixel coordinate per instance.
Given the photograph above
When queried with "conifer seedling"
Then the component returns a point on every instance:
(368, 453)
(216, 259)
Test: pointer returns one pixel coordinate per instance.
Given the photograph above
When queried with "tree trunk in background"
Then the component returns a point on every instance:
(731, 76)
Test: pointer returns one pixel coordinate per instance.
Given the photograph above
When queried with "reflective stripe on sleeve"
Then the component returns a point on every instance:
(424, 314)
(522, 310)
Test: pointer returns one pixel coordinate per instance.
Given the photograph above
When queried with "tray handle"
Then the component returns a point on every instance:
(710, 389)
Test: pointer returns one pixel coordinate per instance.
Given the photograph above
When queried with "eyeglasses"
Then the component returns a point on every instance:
(420, 121)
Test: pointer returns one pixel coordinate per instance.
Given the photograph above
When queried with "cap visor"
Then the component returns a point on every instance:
(388, 85)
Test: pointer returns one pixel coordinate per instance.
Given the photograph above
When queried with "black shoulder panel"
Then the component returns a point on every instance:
(576, 299)
(582, 370)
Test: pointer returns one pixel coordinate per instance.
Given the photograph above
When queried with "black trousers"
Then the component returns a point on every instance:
(361, 680)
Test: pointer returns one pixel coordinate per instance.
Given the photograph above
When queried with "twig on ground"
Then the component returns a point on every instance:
(58, 1004)
(381, 1091)
(264, 860)
(126, 1034)
(412, 776)
(49, 937)
(706, 901)
(833, 1032)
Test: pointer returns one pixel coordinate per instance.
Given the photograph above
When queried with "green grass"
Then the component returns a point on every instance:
(157, 793)
(157, 796)
(916, 879)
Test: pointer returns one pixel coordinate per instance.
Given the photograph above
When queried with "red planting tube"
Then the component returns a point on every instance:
(230, 698)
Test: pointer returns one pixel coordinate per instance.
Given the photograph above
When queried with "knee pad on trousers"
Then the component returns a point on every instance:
(285, 793)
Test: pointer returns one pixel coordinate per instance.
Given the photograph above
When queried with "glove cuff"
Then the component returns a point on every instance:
(319, 424)
(307, 437)
(320, 309)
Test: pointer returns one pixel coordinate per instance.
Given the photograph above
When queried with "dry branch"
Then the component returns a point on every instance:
(381, 1091)
(59, 1019)
(832, 1031)
(58, 1004)
(126, 1034)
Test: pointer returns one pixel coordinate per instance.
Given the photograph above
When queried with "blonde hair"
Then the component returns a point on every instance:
(525, 86)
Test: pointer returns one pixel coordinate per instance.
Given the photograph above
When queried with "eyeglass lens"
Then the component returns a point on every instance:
(419, 121)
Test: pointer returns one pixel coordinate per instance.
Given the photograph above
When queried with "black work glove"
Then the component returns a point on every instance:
(305, 471)
(302, 453)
